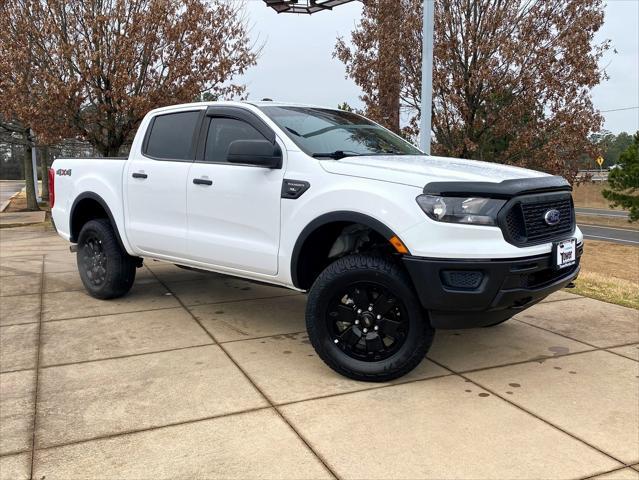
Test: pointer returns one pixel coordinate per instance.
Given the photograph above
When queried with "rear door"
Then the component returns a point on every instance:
(156, 184)
(233, 209)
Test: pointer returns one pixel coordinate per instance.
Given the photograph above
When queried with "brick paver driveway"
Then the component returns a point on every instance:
(206, 376)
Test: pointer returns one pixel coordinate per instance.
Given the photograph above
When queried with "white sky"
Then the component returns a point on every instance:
(621, 26)
(296, 63)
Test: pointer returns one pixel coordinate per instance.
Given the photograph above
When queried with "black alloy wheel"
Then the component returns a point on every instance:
(364, 319)
(94, 261)
(367, 321)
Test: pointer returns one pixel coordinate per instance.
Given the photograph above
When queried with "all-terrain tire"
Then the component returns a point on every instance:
(113, 274)
(388, 274)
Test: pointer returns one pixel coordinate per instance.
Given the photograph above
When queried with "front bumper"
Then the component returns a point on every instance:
(475, 293)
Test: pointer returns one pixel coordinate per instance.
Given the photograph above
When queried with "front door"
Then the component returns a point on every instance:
(233, 209)
(155, 183)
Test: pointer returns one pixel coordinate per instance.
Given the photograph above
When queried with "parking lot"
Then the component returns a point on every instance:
(197, 375)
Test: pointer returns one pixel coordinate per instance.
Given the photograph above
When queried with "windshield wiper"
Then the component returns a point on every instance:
(337, 154)
(391, 152)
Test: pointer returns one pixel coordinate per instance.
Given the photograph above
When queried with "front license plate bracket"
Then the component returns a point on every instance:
(564, 253)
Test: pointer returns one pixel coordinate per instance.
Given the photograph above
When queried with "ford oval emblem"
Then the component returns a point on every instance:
(552, 217)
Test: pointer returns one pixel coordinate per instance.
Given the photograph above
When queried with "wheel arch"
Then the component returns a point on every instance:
(88, 206)
(338, 219)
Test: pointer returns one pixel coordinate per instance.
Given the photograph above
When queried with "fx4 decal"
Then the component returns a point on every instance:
(294, 188)
(62, 172)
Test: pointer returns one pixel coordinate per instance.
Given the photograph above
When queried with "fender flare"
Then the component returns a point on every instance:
(338, 216)
(103, 204)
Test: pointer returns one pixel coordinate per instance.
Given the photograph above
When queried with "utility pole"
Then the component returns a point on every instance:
(34, 162)
(427, 75)
(310, 7)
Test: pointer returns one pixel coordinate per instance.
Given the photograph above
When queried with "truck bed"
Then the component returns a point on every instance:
(78, 178)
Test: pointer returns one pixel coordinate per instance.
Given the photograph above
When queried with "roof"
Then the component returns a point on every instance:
(272, 103)
(231, 103)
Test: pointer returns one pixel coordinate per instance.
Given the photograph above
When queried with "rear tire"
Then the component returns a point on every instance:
(106, 269)
(365, 321)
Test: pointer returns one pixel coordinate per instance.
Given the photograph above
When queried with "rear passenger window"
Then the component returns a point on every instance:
(222, 132)
(171, 135)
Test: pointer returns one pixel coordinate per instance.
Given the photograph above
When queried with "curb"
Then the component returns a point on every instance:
(22, 219)
(16, 225)
(4, 206)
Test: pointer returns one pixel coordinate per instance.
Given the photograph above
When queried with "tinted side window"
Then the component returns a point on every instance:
(223, 131)
(171, 135)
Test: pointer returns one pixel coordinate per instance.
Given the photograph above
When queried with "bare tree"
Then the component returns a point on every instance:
(376, 64)
(97, 66)
(511, 78)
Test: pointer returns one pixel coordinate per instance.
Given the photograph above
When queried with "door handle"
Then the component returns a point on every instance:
(202, 181)
(139, 175)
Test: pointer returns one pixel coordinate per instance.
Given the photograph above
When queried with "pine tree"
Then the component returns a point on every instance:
(624, 181)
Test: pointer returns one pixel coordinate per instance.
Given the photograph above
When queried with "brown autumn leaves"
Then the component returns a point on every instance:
(92, 69)
(511, 78)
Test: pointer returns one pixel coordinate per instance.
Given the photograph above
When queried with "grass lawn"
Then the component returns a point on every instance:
(19, 203)
(609, 272)
(588, 195)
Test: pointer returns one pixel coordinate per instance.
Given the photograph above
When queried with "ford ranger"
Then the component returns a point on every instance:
(389, 243)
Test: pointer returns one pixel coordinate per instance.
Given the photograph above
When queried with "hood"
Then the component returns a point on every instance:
(418, 170)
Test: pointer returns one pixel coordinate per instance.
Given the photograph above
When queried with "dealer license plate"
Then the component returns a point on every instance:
(565, 253)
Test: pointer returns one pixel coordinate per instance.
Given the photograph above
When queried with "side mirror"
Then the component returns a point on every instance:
(261, 153)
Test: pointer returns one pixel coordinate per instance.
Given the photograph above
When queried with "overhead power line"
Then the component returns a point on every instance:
(618, 109)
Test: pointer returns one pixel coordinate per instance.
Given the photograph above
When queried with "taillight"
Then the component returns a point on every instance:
(51, 187)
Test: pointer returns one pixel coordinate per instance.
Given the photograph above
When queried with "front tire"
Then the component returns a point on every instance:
(364, 320)
(107, 271)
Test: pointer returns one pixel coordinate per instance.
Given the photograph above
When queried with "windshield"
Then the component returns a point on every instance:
(321, 132)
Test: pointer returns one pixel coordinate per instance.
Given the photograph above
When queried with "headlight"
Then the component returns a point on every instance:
(472, 210)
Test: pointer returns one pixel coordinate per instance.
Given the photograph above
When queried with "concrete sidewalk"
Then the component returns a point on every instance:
(205, 376)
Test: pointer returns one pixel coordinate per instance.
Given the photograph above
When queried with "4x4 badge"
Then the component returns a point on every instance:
(63, 172)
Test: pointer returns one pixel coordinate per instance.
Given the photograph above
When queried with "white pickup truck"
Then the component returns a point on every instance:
(390, 243)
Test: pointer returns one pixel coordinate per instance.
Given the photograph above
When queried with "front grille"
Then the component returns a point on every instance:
(524, 224)
(515, 225)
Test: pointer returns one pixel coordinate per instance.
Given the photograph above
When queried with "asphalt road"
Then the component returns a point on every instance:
(610, 234)
(602, 212)
(8, 188)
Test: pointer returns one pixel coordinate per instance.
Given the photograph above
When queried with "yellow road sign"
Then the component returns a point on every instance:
(600, 160)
